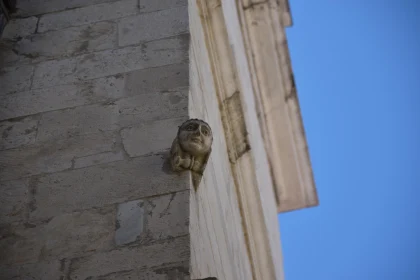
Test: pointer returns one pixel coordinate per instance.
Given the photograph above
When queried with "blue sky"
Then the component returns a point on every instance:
(357, 71)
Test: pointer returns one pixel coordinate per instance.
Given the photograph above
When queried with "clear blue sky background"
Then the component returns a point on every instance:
(357, 71)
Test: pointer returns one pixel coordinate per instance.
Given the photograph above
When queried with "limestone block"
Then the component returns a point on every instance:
(78, 233)
(147, 6)
(130, 258)
(60, 97)
(15, 78)
(142, 28)
(87, 15)
(54, 156)
(13, 199)
(18, 132)
(156, 79)
(35, 271)
(18, 28)
(31, 7)
(67, 235)
(112, 62)
(168, 215)
(104, 184)
(70, 41)
(114, 115)
(100, 158)
(150, 137)
(130, 221)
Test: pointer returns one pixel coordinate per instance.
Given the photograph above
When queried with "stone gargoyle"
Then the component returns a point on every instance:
(191, 149)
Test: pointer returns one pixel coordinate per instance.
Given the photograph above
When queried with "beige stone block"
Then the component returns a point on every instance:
(142, 28)
(111, 62)
(104, 184)
(13, 200)
(87, 15)
(129, 258)
(18, 132)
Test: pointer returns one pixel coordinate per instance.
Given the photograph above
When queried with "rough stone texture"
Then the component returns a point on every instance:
(40, 271)
(53, 156)
(13, 200)
(60, 97)
(142, 28)
(130, 221)
(106, 157)
(168, 215)
(112, 62)
(85, 127)
(91, 230)
(114, 115)
(63, 236)
(19, 245)
(147, 257)
(153, 5)
(18, 132)
(36, 7)
(156, 79)
(87, 15)
(15, 78)
(147, 81)
(76, 40)
(105, 184)
(151, 137)
(19, 28)
(176, 271)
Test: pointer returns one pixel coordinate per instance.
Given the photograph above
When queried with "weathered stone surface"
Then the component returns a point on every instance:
(112, 116)
(174, 271)
(105, 184)
(13, 200)
(60, 97)
(145, 81)
(126, 259)
(77, 121)
(153, 5)
(168, 215)
(146, 138)
(32, 7)
(156, 79)
(18, 132)
(15, 78)
(124, 275)
(112, 62)
(87, 15)
(20, 245)
(71, 41)
(130, 221)
(54, 156)
(153, 106)
(142, 28)
(77, 233)
(18, 28)
(95, 159)
(36, 271)
(69, 191)
(7, 56)
(63, 236)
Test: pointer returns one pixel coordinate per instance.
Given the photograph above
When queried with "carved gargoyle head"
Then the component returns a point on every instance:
(195, 137)
(191, 148)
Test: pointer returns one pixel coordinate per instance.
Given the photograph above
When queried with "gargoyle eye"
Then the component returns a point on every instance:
(204, 131)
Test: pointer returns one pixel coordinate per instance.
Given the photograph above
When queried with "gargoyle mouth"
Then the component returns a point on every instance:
(196, 140)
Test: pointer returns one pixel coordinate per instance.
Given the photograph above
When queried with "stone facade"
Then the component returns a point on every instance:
(91, 96)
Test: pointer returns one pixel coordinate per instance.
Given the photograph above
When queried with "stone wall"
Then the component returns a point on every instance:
(91, 94)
